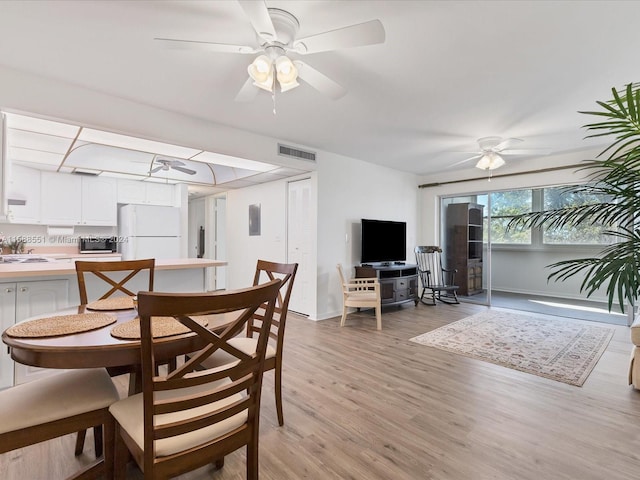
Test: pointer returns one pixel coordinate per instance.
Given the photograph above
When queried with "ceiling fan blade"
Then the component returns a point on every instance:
(367, 33)
(248, 91)
(259, 17)
(530, 151)
(465, 160)
(157, 169)
(188, 171)
(506, 143)
(204, 46)
(319, 81)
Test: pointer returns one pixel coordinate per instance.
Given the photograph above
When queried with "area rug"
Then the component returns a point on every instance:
(561, 349)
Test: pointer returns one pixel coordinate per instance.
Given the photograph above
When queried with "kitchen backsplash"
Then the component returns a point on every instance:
(40, 240)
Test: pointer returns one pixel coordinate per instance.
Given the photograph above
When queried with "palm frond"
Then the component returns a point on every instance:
(615, 176)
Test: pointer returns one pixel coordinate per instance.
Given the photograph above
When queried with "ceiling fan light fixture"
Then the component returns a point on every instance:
(287, 73)
(490, 161)
(261, 71)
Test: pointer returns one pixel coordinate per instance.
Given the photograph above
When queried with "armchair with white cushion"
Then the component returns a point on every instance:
(360, 293)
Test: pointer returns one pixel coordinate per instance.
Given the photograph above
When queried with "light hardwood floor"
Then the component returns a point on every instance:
(367, 404)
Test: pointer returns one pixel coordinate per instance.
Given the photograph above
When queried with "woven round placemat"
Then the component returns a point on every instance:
(60, 325)
(162, 327)
(113, 303)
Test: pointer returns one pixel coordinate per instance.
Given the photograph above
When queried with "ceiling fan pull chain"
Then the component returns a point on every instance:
(273, 94)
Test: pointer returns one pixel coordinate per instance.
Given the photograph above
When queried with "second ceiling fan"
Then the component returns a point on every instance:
(167, 164)
(276, 40)
(492, 149)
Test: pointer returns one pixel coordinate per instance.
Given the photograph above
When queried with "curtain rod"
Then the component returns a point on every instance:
(542, 170)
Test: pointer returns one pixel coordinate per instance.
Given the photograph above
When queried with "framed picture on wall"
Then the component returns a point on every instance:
(254, 219)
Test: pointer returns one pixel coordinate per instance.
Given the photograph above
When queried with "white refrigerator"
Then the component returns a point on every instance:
(148, 231)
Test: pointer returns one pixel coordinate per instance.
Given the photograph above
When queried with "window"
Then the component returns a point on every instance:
(558, 197)
(505, 206)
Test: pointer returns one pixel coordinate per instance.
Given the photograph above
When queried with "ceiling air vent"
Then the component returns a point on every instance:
(296, 153)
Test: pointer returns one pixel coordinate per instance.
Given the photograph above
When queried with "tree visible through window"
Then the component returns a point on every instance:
(505, 206)
(508, 204)
(559, 197)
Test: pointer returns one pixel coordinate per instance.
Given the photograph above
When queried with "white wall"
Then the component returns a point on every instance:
(244, 250)
(514, 270)
(349, 190)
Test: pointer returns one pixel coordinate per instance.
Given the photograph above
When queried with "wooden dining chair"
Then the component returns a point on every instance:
(266, 271)
(360, 293)
(58, 405)
(191, 417)
(100, 269)
(109, 272)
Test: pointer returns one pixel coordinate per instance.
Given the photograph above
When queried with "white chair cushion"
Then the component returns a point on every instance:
(362, 296)
(56, 397)
(129, 414)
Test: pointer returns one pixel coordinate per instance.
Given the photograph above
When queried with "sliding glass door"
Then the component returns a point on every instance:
(464, 241)
(509, 267)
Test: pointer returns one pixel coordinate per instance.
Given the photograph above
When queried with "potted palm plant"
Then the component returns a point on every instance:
(615, 175)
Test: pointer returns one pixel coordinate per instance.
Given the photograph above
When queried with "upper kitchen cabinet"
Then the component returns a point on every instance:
(74, 200)
(146, 193)
(99, 201)
(23, 195)
(61, 196)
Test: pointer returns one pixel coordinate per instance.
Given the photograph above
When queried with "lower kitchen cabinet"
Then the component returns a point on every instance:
(19, 301)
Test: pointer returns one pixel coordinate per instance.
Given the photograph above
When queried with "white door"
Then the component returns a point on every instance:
(300, 230)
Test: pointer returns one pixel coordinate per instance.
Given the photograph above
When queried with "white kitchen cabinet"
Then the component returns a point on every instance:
(160, 194)
(24, 184)
(73, 200)
(99, 201)
(146, 193)
(61, 198)
(19, 301)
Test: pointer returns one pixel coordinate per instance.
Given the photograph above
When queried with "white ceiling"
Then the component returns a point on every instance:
(448, 73)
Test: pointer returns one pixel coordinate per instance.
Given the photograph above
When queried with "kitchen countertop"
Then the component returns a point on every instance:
(17, 270)
(78, 255)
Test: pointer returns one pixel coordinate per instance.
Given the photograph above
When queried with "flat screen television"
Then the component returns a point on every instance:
(383, 241)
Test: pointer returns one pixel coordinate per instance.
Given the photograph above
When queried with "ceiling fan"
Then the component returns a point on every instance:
(492, 149)
(276, 40)
(168, 164)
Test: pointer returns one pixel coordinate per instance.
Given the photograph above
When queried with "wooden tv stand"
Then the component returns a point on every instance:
(398, 283)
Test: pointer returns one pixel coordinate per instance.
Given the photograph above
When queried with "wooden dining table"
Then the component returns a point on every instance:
(98, 348)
